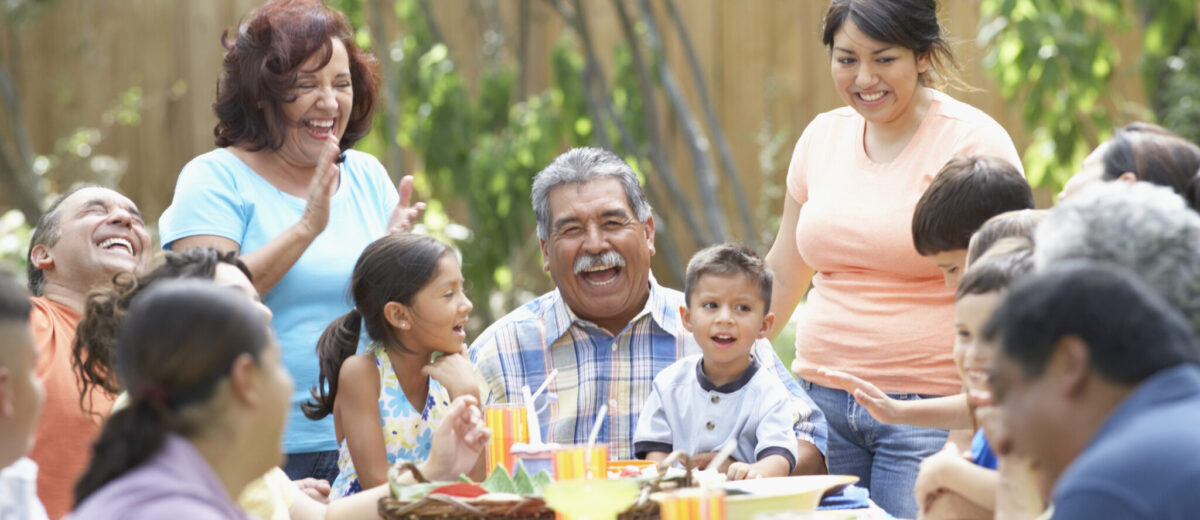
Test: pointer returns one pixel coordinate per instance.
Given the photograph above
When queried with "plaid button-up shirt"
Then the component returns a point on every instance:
(595, 367)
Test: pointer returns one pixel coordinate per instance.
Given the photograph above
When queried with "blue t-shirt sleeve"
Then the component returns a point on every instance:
(653, 431)
(207, 201)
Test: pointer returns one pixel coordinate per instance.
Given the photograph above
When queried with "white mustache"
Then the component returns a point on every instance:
(610, 258)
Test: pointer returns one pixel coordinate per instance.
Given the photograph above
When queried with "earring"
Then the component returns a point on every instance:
(404, 325)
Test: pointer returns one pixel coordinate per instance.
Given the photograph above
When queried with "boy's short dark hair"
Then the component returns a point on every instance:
(727, 259)
(996, 272)
(963, 195)
(14, 302)
(1130, 331)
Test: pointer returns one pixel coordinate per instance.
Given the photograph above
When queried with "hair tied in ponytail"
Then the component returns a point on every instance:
(152, 394)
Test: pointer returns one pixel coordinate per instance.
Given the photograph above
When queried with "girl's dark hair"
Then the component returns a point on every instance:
(391, 269)
(177, 344)
(105, 309)
(911, 24)
(1154, 154)
(261, 64)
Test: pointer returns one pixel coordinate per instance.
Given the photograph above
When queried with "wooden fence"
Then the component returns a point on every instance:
(766, 70)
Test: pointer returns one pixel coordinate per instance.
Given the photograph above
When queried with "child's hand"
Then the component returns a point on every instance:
(455, 373)
(458, 441)
(315, 488)
(883, 408)
(772, 466)
(738, 471)
(934, 473)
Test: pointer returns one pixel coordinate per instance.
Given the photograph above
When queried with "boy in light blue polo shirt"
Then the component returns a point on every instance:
(701, 402)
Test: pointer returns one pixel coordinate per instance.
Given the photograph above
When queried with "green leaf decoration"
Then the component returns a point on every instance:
(541, 481)
(499, 481)
(522, 480)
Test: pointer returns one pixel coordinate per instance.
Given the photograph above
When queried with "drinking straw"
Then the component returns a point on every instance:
(587, 457)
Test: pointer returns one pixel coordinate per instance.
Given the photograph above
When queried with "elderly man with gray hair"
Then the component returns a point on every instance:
(608, 328)
(1142, 227)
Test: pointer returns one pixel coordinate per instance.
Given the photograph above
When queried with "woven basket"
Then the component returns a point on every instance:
(443, 507)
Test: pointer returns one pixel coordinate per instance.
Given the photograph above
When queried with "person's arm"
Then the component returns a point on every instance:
(792, 275)
(948, 469)
(269, 263)
(357, 410)
(944, 413)
(769, 466)
(812, 431)
(948, 505)
(653, 431)
(455, 373)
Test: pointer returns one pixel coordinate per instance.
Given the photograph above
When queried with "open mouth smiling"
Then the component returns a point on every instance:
(117, 243)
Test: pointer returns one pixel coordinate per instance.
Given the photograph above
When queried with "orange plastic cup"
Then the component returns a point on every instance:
(693, 504)
(571, 463)
(509, 424)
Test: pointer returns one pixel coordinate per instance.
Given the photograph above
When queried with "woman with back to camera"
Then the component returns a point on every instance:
(876, 307)
(285, 190)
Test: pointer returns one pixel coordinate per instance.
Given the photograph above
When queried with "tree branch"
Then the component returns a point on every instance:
(693, 134)
(714, 126)
(650, 124)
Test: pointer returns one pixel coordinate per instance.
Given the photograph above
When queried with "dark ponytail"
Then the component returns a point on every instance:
(178, 342)
(391, 269)
(105, 309)
(337, 344)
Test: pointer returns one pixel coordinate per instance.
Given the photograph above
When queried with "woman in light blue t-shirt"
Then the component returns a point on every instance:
(285, 190)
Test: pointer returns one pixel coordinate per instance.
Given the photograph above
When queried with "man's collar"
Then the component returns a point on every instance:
(558, 316)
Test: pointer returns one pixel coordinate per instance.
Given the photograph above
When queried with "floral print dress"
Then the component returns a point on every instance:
(407, 432)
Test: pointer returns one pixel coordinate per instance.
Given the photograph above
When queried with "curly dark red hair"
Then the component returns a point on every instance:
(261, 65)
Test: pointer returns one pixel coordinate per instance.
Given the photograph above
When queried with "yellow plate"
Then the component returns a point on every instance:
(792, 494)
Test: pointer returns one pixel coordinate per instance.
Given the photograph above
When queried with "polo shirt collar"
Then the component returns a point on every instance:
(730, 387)
(558, 316)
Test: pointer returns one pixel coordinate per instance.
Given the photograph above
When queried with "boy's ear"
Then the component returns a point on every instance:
(768, 324)
(396, 315)
(685, 317)
(6, 404)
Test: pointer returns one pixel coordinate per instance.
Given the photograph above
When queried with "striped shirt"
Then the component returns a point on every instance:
(596, 367)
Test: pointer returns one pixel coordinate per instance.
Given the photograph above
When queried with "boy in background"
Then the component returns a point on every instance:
(21, 397)
(964, 194)
(723, 395)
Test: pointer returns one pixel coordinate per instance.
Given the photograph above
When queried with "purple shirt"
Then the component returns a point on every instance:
(175, 483)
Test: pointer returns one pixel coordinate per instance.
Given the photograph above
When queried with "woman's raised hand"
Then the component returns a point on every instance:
(458, 441)
(406, 214)
(321, 188)
(883, 408)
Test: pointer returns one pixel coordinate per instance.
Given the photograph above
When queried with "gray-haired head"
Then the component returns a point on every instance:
(580, 166)
(1145, 228)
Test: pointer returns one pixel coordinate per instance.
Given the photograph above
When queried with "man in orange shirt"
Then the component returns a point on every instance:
(88, 235)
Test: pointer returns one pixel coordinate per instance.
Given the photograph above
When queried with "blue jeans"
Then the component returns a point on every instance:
(315, 464)
(884, 457)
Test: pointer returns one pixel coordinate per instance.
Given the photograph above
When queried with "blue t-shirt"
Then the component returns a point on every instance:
(217, 194)
(981, 451)
(1144, 461)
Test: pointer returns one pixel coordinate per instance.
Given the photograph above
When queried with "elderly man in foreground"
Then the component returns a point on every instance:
(609, 327)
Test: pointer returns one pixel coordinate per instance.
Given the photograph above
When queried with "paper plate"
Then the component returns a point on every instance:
(771, 495)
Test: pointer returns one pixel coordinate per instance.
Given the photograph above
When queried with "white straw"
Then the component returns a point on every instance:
(587, 457)
(545, 383)
(535, 428)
